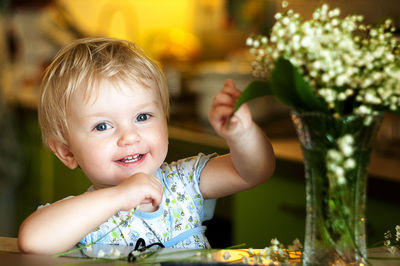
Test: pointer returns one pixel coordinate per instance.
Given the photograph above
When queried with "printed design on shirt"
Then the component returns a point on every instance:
(180, 211)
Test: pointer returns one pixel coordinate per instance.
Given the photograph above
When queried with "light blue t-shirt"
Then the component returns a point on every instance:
(178, 220)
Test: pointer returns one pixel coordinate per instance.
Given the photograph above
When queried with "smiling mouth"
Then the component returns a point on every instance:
(131, 159)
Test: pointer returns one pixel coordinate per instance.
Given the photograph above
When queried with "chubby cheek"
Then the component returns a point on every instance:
(163, 149)
(160, 143)
(95, 155)
(98, 168)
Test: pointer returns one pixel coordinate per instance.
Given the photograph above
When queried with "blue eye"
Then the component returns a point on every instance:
(102, 127)
(142, 117)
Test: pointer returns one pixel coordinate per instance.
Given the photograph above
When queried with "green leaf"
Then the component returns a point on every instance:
(310, 100)
(283, 85)
(255, 89)
(290, 88)
(288, 85)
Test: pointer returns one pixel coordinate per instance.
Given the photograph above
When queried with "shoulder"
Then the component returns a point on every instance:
(187, 167)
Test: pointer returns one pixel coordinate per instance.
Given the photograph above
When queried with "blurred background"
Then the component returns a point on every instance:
(199, 44)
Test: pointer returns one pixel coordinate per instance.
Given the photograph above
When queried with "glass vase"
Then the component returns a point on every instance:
(336, 155)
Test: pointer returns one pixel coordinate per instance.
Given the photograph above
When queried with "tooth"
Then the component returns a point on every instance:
(132, 158)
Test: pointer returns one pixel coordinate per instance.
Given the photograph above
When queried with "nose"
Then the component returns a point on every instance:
(128, 136)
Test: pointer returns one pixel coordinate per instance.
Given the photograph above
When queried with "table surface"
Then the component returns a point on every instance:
(10, 255)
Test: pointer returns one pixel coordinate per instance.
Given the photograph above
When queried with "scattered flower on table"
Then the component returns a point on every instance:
(397, 232)
(392, 241)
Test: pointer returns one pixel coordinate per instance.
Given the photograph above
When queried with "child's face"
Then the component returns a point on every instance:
(119, 133)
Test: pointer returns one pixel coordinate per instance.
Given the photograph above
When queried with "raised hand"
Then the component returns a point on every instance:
(227, 123)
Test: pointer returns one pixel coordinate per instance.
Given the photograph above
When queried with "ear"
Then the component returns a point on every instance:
(62, 151)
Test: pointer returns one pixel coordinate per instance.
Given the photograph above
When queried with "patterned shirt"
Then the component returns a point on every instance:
(178, 220)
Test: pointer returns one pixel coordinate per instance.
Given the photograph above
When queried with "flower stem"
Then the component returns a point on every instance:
(81, 247)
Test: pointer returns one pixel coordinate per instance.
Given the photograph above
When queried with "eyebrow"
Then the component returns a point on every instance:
(139, 106)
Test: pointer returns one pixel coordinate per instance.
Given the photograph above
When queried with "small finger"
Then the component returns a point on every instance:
(221, 112)
(223, 99)
(231, 89)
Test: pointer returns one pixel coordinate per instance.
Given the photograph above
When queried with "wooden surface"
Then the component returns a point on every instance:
(10, 255)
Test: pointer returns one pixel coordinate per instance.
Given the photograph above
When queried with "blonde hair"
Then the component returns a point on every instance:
(80, 66)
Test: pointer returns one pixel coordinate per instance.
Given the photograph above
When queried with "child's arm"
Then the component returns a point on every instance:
(59, 226)
(251, 159)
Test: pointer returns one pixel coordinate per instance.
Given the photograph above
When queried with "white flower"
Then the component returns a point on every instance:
(267, 251)
(389, 57)
(334, 155)
(262, 253)
(282, 252)
(347, 139)
(316, 15)
(339, 171)
(278, 16)
(136, 253)
(306, 41)
(392, 249)
(249, 41)
(281, 46)
(325, 78)
(100, 254)
(387, 235)
(347, 150)
(114, 252)
(340, 80)
(363, 110)
(349, 164)
(253, 51)
(264, 40)
(341, 180)
(274, 242)
(342, 96)
(317, 65)
(328, 94)
(227, 255)
(335, 12)
(285, 21)
(339, 64)
(292, 28)
(371, 98)
(349, 92)
(296, 245)
(281, 32)
(331, 166)
(89, 250)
